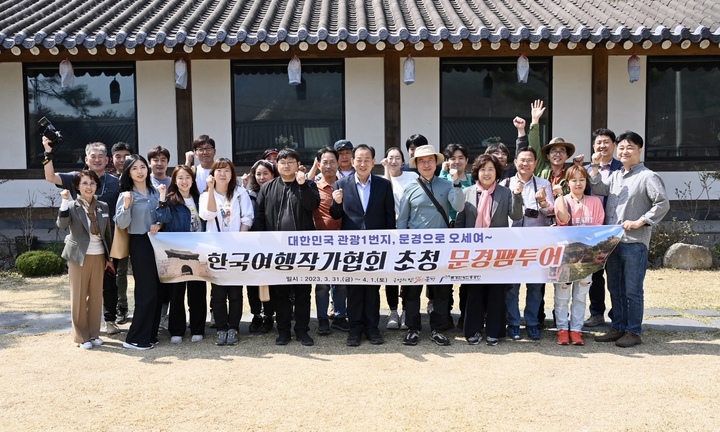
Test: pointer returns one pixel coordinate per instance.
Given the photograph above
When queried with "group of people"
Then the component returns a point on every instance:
(340, 192)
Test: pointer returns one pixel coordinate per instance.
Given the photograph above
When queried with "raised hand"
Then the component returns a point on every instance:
(579, 159)
(162, 189)
(596, 157)
(65, 194)
(300, 177)
(338, 196)
(46, 144)
(518, 188)
(519, 123)
(210, 182)
(557, 190)
(541, 195)
(127, 199)
(537, 109)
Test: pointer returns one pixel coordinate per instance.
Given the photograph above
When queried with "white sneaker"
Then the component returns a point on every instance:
(96, 342)
(176, 339)
(393, 321)
(111, 328)
(403, 326)
(85, 345)
(196, 338)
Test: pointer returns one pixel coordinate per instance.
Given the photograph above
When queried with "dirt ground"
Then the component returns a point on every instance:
(671, 382)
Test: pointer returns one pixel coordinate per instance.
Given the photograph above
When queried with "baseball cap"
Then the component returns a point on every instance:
(343, 145)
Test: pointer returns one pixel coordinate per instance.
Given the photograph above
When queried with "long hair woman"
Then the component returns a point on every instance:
(87, 251)
(226, 207)
(136, 212)
(487, 205)
(179, 211)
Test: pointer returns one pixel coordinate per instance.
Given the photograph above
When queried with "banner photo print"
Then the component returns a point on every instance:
(396, 257)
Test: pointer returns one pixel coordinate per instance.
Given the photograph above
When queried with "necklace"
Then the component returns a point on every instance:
(579, 200)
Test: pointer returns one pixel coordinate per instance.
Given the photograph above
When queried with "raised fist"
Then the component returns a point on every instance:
(557, 190)
(596, 157)
(579, 159)
(162, 189)
(65, 194)
(519, 123)
(338, 196)
(127, 199)
(210, 182)
(300, 177)
(518, 188)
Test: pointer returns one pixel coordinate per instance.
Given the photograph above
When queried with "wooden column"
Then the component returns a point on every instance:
(599, 88)
(184, 115)
(392, 99)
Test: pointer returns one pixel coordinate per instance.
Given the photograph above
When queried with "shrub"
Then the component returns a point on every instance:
(667, 234)
(40, 263)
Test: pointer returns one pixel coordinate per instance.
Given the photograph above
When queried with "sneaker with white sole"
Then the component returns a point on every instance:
(85, 345)
(96, 342)
(176, 339)
(403, 325)
(411, 338)
(393, 321)
(196, 338)
(491, 341)
(111, 328)
(138, 346)
(439, 338)
(474, 339)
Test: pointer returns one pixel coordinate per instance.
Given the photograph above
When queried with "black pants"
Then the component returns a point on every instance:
(392, 293)
(280, 297)
(439, 315)
(597, 294)
(256, 306)
(485, 308)
(110, 296)
(363, 309)
(541, 309)
(146, 318)
(227, 305)
(197, 304)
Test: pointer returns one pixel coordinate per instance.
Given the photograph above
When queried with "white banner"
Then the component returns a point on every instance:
(377, 257)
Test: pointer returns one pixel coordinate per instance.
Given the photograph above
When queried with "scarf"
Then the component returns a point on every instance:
(90, 208)
(484, 206)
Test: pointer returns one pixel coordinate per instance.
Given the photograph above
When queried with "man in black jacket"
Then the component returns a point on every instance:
(286, 203)
(364, 202)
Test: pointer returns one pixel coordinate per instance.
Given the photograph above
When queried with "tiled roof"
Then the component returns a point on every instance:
(133, 23)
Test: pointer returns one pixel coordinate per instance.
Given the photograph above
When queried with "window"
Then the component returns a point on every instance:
(683, 113)
(480, 97)
(268, 112)
(100, 106)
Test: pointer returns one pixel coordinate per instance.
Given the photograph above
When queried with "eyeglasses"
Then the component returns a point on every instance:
(86, 184)
(204, 149)
(558, 151)
(285, 162)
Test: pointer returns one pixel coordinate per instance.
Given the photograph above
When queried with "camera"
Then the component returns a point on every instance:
(48, 131)
(531, 213)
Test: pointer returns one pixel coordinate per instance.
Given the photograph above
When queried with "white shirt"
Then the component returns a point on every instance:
(398, 185)
(230, 214)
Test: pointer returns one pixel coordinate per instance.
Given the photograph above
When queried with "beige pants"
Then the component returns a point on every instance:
(86, 288)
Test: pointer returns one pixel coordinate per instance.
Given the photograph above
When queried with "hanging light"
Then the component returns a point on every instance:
(67, 74)
(181, 74)
(295, 71)
(114, 91)
(523, 68)
(487, 85)
(409, 70)
(634, 68)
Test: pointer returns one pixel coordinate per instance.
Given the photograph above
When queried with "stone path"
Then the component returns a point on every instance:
(32, 323)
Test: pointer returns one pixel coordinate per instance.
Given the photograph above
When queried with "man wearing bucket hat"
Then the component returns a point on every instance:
(425, 205)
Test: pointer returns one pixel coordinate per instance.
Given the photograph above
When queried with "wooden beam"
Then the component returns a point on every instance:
(392, 99)
(184, 115)
(599, 89)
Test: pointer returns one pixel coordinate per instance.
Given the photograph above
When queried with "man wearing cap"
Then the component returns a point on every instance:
(418, 211)
(270, 155)
(345, 159)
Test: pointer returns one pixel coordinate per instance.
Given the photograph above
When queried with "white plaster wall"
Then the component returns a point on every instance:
(420, 102)
(365, 103)
(572, 101)
(13, 151)
(212, 110)
(626, 100)
(157, 123)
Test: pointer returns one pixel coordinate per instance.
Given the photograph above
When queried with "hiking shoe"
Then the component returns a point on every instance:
(323, 327)
(122, 317)
(563, 337)
(439, 338)
(341, 324)
(533, 332)
(474, 339)
(221, 338)
(353, 340)
(595, 320)
(232, 337)
(111, 328)
(629, 340)
(491, 341)
(304, 338)
(576, 338)
(85, 345)
(196, 338)
(513, 332)
(255, 324)
(403, 325)
(393, 321)
(376, 339)
(267, 325)
(411, 338)
(612, 336)
(175, 339)
(138, 346)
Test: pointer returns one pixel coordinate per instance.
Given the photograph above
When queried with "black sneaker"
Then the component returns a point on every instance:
(323, 327)
(221, 338)
(304, 338)
(341, 324)
(255, 324)
(282, 339)
(267, 325)
(439, 338)
(411, 338)
(137, 346)
(232, 337)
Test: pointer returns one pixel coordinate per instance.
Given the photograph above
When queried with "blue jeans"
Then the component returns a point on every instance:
(322, 300)
(532, 303)
(626, 268)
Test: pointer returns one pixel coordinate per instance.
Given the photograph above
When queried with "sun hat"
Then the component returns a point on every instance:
(426, 150)
(559, 142)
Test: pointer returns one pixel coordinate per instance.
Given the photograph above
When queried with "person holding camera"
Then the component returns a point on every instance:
(107, 191)
(538, 203)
